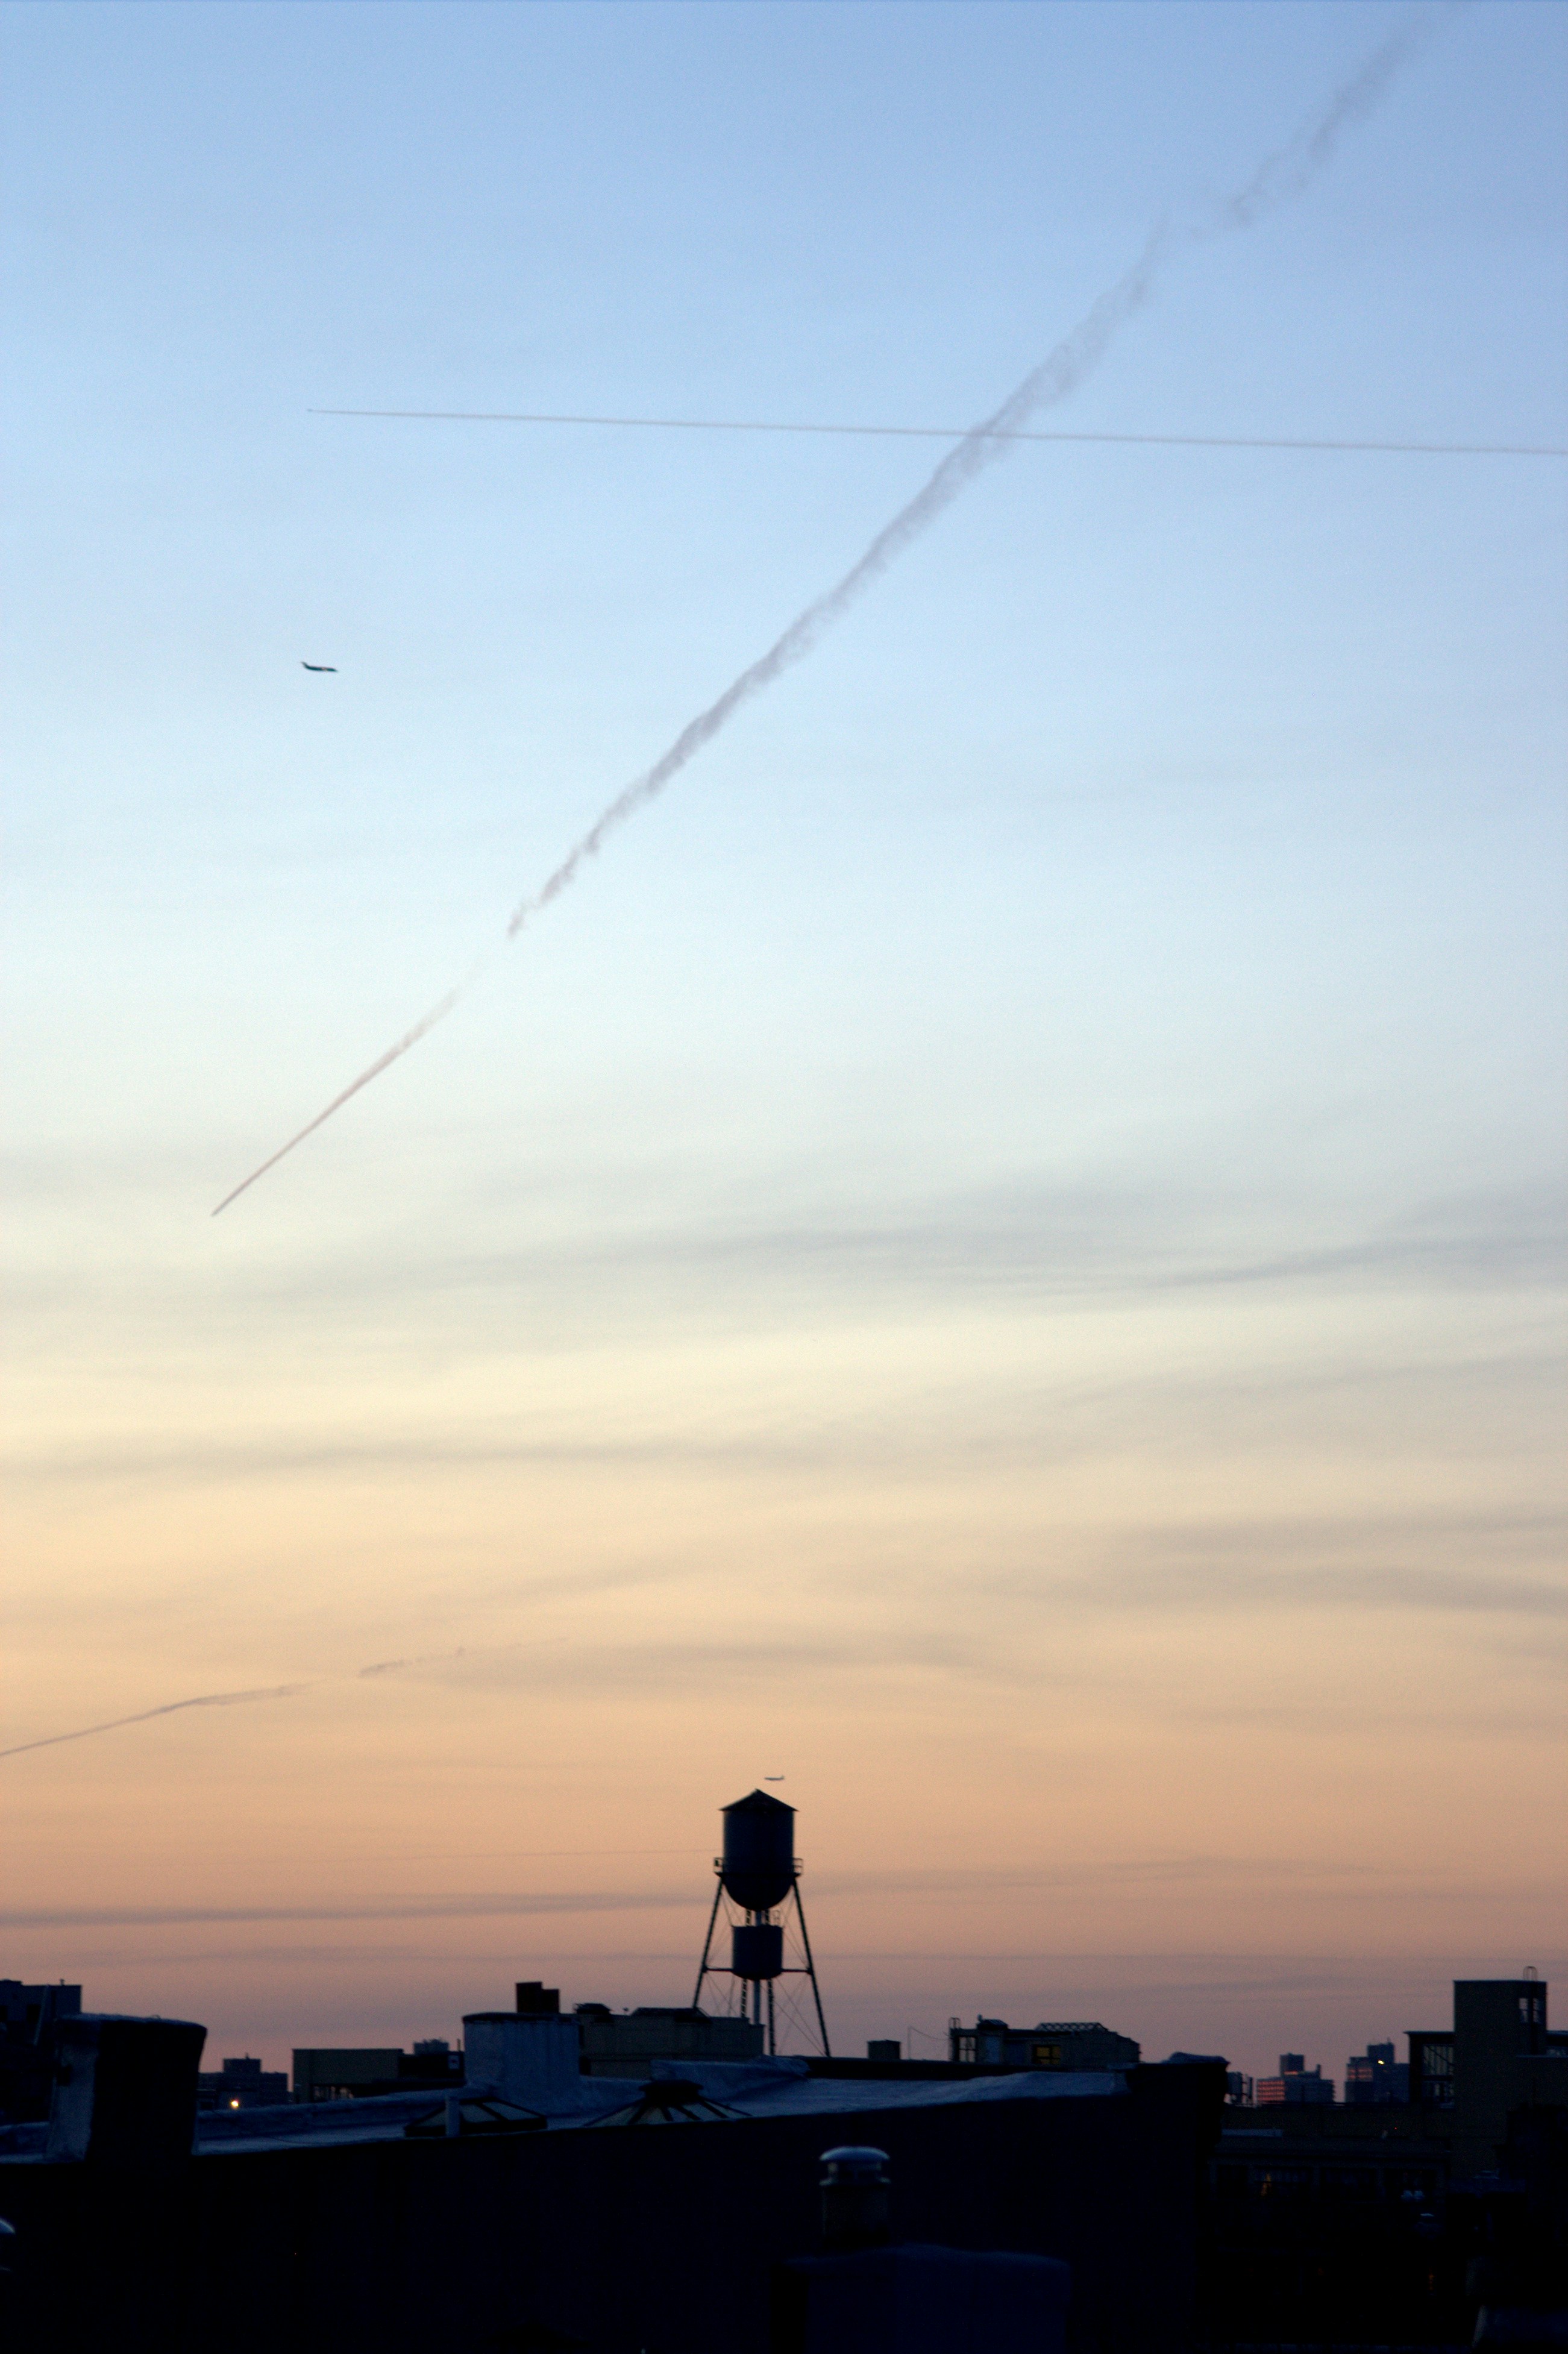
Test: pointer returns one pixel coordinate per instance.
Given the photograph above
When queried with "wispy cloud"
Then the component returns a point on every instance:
(502, 1905)
(982, 1886)
(556, 1665)
(660, 1666)
(1072, 1242)
(1207, 1571)
(603, 1253)
(1225, 1586)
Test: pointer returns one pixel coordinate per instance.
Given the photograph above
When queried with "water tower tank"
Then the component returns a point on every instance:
(756, 1951)
(759, 1868)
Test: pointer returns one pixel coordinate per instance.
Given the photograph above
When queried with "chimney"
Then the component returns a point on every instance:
(857, 2198)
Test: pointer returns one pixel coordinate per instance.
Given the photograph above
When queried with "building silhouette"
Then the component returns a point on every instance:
(1296, 2085)
(242, 2084)
(1376, 2080)
(1066, 2043)
(1499, 2054)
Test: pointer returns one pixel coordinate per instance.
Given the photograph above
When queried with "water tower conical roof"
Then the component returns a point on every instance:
(759, 1868)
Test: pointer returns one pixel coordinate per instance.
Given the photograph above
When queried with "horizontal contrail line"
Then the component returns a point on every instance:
(961, 433)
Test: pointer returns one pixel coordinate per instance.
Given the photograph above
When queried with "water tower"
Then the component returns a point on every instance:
(758, 1877)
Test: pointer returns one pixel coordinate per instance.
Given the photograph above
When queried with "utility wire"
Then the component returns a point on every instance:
(957, 433)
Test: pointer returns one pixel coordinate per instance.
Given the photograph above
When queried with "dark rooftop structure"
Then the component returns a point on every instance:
(1378, 2218)
(398, 2224)
(1054, 2043)
(242, 2084)
(1499, 2054)
(366, 2072)
(629, 2043)
(27, 2018)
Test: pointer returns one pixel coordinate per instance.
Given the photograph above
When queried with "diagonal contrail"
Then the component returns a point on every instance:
(421, 1028)
(223, 1700)
(266, 1691)
(1283, 174)
(170, 1708)
(234, 1699)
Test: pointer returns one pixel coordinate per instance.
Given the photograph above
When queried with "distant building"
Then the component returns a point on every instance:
(1499, 2055)
(344, 2072)
(627, 2043)
(1054, 2043)
(1296, 2085)
(241, 2084)
(1376, 2081)
(26, 2010)
(1460, 2084)
(359, 2073)
(883, 2048)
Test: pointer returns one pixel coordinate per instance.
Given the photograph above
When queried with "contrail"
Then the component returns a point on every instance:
(170, 1708)
(234, 1699)
(1282, 175)
(224, 1700)
(268, 1691)
(421, 1029)
(427, 1659)
(959, 432)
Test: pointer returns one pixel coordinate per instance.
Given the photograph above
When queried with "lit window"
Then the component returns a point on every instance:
(1273, 2181)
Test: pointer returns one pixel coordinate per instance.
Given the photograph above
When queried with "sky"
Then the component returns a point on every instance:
(999, 1255)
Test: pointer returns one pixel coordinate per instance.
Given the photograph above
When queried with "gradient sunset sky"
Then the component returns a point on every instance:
(1000, 1255)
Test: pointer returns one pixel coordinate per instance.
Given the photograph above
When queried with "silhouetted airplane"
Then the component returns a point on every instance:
(332, 666)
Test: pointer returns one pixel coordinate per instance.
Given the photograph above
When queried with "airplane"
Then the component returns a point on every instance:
(332, 666)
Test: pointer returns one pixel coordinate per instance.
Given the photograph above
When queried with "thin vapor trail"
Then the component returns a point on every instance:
(425, 1660)
(234, 1699)
(1282, 175)
(959, 432)
(170, 1708)
(421, 1029)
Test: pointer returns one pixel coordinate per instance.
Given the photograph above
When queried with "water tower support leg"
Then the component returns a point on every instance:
(707, 1945)
(811, 1968)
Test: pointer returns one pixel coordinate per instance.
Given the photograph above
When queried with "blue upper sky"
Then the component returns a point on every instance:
(1189, 690)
